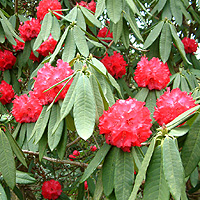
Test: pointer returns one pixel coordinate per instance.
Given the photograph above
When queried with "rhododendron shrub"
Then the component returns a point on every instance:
(46, 5)
(171, 104)
(26, 109)
(115, 64)
(48, 76)
(190, 45)
(6, 92)
(127, 123)
(51, 190)
(7, 60)
(153, 74)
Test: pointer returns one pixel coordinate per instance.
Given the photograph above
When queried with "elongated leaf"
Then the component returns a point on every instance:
(161, 4)
(114, 9)
(81, 20)
(2, 193)
(125, 35)
(31, 146)
(108, 171)
(142, 94)
(38, 42)
(109, 95)
(184, 85)
(24, 178)
(177, 81)
(46, 26)
(132, 6)
(172, 167)
(153, 35)
(7, 163)
(155, 185)
(72, 14)
(138, 156)
(55, 30)
(165, 42)
(191, 148)
(42, 145)
(98, 188)
(179, 131)
(101, 4)
(124, 175)
(151, 102)
(22, 135)
(99, 66)
(100, 155)
(84, 108)
(143, 169)
(2, 34)
(176, 11)
(91, 17)
(117, 30)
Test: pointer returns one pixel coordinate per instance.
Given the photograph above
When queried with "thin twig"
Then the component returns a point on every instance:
(74, 142)
(139, 49)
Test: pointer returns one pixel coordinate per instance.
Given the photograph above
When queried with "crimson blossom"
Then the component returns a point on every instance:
(171, 104)
(7, 60)
(6, 93)
(48, 76)
(46, 5)
(125, 124)
(26, 109)
(154, 73)
(90, 6)
(115, 64)
(30, 29)
(190, 45)
(105, 33)
(51, 190)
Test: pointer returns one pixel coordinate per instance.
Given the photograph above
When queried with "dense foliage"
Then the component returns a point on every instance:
(99, 99)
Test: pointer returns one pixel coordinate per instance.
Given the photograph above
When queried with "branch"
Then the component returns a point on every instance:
(74, 142)
(138, 49)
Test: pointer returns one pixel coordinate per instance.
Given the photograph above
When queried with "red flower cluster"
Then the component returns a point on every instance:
(26, 109)
(6, 93)
(154, 74)
(90, 6)
(75, 154)
(115, 64)
(47, 46)
(48, 76)
(190, 45)
(171, 104)
(127, 123)
(7, 60)
(93, 148)
(51, 190)
(45, 6)
(30, 29)
(105, 33)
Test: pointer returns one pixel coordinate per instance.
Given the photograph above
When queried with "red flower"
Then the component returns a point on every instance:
(190, 45)
(171, 104)
(48, 76)
(34, 58)
(45, 6)
(115, 64)
(90, 6)
(6, 93)
(30, 29)
(71, 157)
(7, 60)
(127, 123)
(47, 46)
(26, 109)
(51, 189)
(103, 33)
(85, 185)
(76, 153)
(154, 74)
(93, 148)
(20, 45)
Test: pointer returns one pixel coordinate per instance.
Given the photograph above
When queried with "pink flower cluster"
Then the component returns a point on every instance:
(7, 60)
(190, 45)
(51, 190)
(90, 6)
(115, 64)
(46, 5)
(6, 93)
(105, 33)
(154, 74)
(125, 124)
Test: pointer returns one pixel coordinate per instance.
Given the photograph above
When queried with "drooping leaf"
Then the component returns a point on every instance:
(2, 193)
(98, 188)
(179, 131)
(81, 20)
(55, 30)
(100, 7)
(138, 156)
(194, 177)
(177, 81)
(46, 26)
(142, 94)
(125, 35)
(151, 102)
(117, 30)
(176, 11)
(42, 145)
(24, 178)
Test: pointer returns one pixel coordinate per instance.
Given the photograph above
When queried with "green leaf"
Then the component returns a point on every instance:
(153, 35)
(155, 185)
(114, 9)
(2, 193)
(184, 85)
(98, 66)
(109, 95)
(194, 177)
(142, 170)
(22, 135)
(161, 5)
(100, 155)
(172, 167)
(42, 145)
(151, 102)
(31, 145)
(26, 52)
(72, 14)
(90, 17)
(191, 148)
(80, 41)
(166, 12)
(132, 6)
(117, 30)
(80, 20)
(100, 7)
(24, 178)
(108, 171)
(138, 156)
(99, 187)
(179, 131)
(38, 42)
(46, 26)
(7, 162)
(142, 94)
(177, 81)
(6, 76)
(165, 42)
(176, 11)
(84, 108)
(125, 35)
(124, 175)
(55, 30)
(2, 34)
(124, 85)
